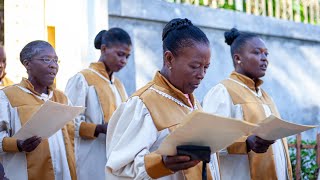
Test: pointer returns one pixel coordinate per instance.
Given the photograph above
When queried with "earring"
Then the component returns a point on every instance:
(239, 62)
(170, 67)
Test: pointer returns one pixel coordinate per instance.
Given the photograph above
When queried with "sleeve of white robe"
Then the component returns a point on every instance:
(77, 90)
(218, 101)
(131, 133)
(7, 143)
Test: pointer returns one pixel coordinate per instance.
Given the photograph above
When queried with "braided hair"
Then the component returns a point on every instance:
(180, 33)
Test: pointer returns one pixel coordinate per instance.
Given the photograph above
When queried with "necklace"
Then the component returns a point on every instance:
(173, 99)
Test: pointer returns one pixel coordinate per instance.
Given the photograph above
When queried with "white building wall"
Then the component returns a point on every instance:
(22, 24)
(76, 23)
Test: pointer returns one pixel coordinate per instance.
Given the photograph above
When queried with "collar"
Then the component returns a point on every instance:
(246, 81)
(161, 81)
(100, 68)
(26, 85)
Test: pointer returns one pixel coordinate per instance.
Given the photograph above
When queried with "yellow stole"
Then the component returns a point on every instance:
(166, 113)
(5, 82)
(262, 165)
(106, 97)
(39, 162)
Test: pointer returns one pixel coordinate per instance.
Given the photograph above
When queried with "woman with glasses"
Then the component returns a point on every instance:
(34, 158)
(139, 126)
(240, 96)
(97, 89)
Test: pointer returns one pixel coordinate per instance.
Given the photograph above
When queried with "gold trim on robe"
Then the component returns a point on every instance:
(106, 97)
(165, 116)
(5, 81)
(39, 162)
(262, 165)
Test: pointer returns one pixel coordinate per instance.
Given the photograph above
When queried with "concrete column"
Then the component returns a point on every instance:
(98, 17)
(24, 22)
(79, 22)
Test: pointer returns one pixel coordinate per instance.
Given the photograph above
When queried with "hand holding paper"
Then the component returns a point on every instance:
(29, 144)
(48, 120)
(204, 129)
(177, 163)
(257, 144)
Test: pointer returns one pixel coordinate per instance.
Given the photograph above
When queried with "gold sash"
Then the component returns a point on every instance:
(39, 162)
(262, 165)
(166, 113)
(106, 97)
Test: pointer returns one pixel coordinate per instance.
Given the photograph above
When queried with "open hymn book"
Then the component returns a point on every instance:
(50, 117)
(218, 132)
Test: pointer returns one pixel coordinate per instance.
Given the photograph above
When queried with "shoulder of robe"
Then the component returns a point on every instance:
(142, 90)
(117, 81)
(59, 96)
(10, 90)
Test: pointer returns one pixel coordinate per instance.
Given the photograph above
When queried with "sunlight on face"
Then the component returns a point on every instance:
(189, 67)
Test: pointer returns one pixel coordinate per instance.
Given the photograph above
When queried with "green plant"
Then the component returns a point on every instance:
(298, 8)
(309, 167)
(228, 6)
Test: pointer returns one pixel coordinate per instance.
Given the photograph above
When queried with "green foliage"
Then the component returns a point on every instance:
(309, 168)
(298, 9)
(228, 6)
(201, 2)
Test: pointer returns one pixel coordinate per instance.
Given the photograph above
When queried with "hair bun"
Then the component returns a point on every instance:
(98, 39)
(231, 35)
(181, 23)
(175, 24)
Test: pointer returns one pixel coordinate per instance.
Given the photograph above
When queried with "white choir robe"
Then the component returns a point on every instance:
(233, 166)
(132, 134)
(90, 153)
(15, 164)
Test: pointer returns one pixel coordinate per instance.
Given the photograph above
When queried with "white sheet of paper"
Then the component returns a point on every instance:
(205, 129)
(273, 128)
(50, 117)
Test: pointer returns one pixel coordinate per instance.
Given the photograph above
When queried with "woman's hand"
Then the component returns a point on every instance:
(29, 144)
(177, 163)
(101, 128)
(257, 144)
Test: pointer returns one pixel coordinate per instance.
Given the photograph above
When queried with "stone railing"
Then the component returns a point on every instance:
(306, 11)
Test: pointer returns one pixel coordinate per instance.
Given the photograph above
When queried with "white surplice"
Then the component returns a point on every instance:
(218, 101)
(90, 153)
(132, 134)
(15, 164)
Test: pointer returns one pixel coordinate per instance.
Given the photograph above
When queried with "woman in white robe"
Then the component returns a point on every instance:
(97, 89)
(241, 97)
(34, 158)
(138, 127)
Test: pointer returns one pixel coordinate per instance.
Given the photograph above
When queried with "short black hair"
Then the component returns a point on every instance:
(32, 49)
(179, 33)
(236, 39)
(112, 37)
